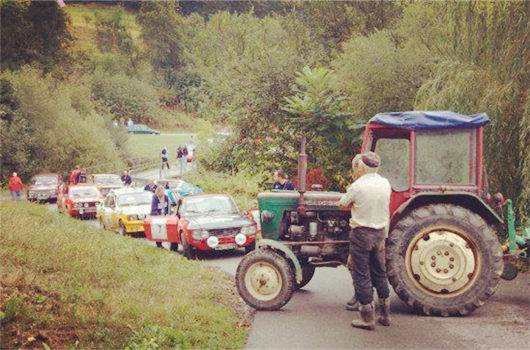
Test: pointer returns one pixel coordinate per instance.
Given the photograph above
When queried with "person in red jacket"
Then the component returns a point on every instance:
(15, 187)
(74, 175)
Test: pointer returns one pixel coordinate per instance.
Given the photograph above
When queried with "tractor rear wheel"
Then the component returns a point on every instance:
(444, 260)
(265, 280)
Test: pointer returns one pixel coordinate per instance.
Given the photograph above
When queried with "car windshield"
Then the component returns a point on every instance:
(82, 192)
(131, 199)
(209, 204)
(44, 180)
(107, 180)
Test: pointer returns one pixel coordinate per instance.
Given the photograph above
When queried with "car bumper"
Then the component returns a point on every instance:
(134, 226)
(225, 243)
(83, 212)
(42, 197)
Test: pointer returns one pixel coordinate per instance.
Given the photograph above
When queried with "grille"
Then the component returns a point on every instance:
(225, 232)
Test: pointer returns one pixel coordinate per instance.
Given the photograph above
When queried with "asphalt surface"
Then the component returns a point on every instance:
(315, 317)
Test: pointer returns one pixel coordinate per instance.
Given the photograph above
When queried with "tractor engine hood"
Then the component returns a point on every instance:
(313, 199)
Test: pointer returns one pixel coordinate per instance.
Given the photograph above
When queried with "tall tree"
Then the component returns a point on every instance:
(35, 32)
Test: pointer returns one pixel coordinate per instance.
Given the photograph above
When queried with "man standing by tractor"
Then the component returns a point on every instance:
(369, 198)
(281, 181)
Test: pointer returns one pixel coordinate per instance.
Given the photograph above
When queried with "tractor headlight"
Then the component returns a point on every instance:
(199, 234)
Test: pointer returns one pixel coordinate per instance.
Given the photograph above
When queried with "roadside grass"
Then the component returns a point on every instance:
(149, 146)
(243, 187)
(66, 284)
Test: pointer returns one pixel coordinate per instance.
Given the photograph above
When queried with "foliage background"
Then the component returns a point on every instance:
(235, 63)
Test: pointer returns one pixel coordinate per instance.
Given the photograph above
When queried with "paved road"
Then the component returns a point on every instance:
(315, 318)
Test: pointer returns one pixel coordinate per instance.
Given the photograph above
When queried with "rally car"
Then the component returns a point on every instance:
(79, 200)
(44, 188)
(177, 188)
(203, 222)
(124, 210)
(106, 182)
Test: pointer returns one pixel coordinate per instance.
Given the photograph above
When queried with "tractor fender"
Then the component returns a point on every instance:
(275, 245)
(463, 199)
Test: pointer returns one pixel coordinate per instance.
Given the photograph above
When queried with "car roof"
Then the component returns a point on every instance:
(105, 175)
(83, 185)
(198, 195)
(128, 190)
(46, 174)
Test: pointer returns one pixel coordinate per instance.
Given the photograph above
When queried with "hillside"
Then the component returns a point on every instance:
(67, 284)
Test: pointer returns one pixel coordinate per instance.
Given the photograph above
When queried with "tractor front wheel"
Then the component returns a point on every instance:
(444, 260)
(308, 271)
(265, 280)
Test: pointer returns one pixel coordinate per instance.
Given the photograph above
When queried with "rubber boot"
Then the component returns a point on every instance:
(383, 307)
(352, 304)
(367, 320)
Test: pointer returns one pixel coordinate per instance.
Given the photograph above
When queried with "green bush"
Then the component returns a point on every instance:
(51, 126)
(242, 186)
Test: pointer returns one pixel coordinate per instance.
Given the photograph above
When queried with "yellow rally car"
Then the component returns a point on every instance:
(124, 210)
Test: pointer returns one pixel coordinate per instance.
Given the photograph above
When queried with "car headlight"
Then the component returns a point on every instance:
(77, 205)
(86, 205)
(199, 234)
(248, 230)
(132, 217)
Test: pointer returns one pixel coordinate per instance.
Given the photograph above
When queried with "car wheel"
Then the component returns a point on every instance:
(174, 247)
(188, 251)
(102, 223)
(265, 280)
(121, 229)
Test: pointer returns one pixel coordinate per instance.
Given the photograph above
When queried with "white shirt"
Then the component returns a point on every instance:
(370, 199)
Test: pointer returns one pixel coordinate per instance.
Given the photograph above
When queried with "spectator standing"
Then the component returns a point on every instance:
(126, 178)
(164, 157)
(281, 182)
(181, 159)
(151, 186)
(130, 122)
(74, 175)
(160, 205)
(82, 177)
(15, 186)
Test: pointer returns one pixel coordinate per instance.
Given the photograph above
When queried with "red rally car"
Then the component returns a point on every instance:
(203, 222)
(79, 200)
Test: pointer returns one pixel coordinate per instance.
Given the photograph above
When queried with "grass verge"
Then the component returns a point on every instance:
(150, 146)
(67, 284)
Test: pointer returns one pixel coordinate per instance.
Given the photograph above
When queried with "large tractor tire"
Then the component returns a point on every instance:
(308, 271)
(265, 280)
(443, 260)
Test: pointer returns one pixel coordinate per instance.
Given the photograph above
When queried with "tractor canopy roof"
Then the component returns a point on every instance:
(430, 120)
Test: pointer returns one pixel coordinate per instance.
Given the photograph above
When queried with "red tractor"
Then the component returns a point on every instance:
(443, 254)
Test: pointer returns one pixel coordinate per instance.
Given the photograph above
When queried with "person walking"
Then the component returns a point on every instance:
(160, 205)
(369, 198)
(281, 182)
(164, 157)
(126, 178)
(181, 159)
(15, 186)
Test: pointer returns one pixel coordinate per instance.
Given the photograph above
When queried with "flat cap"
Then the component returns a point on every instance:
(371, 159)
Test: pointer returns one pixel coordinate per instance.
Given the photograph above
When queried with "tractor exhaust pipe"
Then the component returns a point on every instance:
(302, 174)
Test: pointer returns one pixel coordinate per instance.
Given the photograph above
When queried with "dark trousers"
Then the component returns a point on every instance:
(367, 249)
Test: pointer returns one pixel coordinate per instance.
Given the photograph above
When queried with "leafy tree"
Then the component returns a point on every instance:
(34, 32)
(315, 110)
(485, 70)
(160, 23)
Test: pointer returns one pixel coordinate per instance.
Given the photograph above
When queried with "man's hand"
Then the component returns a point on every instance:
(345, 207)
(349, 263)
